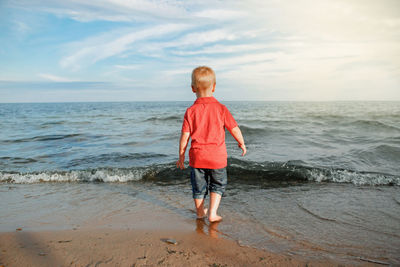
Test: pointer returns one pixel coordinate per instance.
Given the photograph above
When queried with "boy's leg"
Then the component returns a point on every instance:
(200, 210)
(199, 183)
(218, 181)
(215, 199)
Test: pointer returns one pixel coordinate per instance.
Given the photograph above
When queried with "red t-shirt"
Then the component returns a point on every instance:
(206, 121)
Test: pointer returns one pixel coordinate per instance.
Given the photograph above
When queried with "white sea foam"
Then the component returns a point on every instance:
(120, 175)
(101, 175)
(356, 178)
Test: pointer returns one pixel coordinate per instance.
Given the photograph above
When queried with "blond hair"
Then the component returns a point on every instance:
(203, 78)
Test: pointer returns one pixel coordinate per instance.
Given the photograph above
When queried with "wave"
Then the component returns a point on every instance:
(240, 172)
(50, 137)
(386, 151)
(379, 157)
(165, 118)
(268, 130)
(95, 175)
(354, 177)
(296, 171)
(252, 130)
(372, 124)
(50, 123)
(17, 160)
(326, 117)
(114, 157)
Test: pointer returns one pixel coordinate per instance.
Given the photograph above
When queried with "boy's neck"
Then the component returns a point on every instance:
(204, 94)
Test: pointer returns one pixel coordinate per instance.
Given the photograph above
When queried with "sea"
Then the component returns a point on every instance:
(320, 179)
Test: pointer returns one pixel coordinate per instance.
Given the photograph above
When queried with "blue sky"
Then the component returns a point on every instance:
(115, 50)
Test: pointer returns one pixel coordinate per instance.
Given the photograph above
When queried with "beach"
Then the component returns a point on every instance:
(320, 185)
(103, 224)
(294, 105)
(132, 247)
(129, 248)
(149, 234)
(115, 232)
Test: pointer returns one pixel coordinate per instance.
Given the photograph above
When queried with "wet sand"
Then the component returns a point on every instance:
(126, 226)
(128, 248)
(169, 242)
(112, 247)
(105, 234)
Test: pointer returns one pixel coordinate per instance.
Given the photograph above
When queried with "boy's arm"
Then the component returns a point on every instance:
(237, 134)
(182, 149)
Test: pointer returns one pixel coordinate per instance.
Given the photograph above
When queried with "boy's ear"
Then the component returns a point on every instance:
(193, 89)
(213, 90)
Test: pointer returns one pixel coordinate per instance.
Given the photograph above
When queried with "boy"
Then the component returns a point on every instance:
(205, 122)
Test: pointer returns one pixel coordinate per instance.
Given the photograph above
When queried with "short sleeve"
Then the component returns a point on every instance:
(185, 124)
(229, 121)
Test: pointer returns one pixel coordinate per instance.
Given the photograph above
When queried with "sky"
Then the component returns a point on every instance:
(142, 50)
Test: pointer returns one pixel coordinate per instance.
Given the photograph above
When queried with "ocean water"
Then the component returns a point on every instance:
(321, 179)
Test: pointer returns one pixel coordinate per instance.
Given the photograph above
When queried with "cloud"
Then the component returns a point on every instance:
(192, 40)
(200, 38)
(303, 48)
(91, 51)
(51, 85)
(339, 20)
(222, 49)
(21, 27)
(131, 11)
(220, 14)
(106, 10)
(127, 67)
(54, 78)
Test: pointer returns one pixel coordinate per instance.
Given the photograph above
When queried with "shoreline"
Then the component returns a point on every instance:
(39, 228)
(136, 247)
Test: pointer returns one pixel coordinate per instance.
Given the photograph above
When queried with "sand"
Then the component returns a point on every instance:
(129, 247)
(111, 247)
(130, 233)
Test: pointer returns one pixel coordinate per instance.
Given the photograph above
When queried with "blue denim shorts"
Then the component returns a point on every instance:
(204, 180)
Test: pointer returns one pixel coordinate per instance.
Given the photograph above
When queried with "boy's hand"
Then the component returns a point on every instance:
(237, 134)
(183, 142)
(180, 162)
(243, 147)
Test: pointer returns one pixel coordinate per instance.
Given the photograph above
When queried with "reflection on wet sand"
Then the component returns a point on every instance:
(211, 227)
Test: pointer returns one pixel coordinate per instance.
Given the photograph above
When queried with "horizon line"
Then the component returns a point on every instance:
(133, 101)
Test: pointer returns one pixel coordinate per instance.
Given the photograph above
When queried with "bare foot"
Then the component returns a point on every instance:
(201, 215)
(214, 218)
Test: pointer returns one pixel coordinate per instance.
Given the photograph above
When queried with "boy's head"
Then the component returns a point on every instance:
(203, 79)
